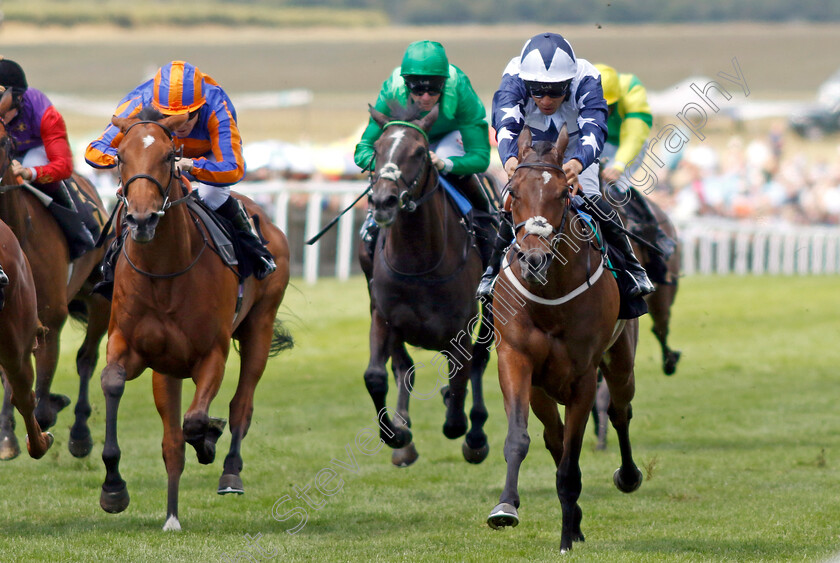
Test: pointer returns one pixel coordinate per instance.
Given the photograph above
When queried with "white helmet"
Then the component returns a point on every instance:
(547, 57)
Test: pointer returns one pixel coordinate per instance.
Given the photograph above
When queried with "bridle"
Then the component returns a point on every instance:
(164, 192)
(407, 198)
(173, 174)
(556, 232)
(7, 147)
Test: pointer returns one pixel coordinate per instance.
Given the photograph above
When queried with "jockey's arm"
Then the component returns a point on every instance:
(102, 152)
(57, 147)
(224, 164)
(636, 121)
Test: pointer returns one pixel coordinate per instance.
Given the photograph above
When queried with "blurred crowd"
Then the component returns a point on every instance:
(752, 179)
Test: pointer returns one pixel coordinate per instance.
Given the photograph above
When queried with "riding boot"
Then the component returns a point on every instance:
(67, 214)
(610, 225)
(503, 240)
(105, 286)
(369, 233)
(252, 245)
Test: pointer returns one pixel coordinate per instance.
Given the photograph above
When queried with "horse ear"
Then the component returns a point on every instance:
(524, 142)
(562, 142)
(173, 122)
(122, 123)
(380, 118)
(6, 101)
(427, 122)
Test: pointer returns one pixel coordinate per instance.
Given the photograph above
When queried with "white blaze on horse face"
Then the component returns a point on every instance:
(390, 172)
(397, 136)
(147, 141)
(546, 177)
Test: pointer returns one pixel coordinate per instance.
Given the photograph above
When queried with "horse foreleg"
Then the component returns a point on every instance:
(582, 397)
(459, 366)
(114, 497)
(403, 367)
(167, 392)
(515, 380)
(618, 373)
(376, 381)
(199, 430)
(9, 448)
(46, 360)
(99, 312)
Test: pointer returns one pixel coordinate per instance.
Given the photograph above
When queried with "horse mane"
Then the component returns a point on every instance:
(408, 113)
(150, 113)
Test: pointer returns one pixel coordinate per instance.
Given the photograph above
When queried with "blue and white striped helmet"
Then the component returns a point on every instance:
(547, 57)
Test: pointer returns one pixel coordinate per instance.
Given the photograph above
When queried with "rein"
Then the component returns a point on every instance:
(535, 224)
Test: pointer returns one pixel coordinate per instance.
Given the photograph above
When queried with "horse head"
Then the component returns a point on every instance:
(146, 158)
(402, 162)
(539, 202)
(6, 141)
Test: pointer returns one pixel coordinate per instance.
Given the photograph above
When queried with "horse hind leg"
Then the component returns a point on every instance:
(659, 304)
(23, 398)
(599, 412)
(167, 393)
(475, 447)
(403, 367)
(9, 447)
(99, 310)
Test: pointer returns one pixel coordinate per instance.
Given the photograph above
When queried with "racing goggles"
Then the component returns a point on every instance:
(550, 89)
(419, 85)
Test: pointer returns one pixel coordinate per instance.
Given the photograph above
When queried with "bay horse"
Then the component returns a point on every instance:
(422, 280)
(20, 330)
(175, 308)
(556, 317)
(63, 287)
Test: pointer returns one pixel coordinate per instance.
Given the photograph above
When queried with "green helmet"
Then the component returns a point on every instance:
(425, 58)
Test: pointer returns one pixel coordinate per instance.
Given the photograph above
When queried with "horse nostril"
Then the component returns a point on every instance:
(387, 202)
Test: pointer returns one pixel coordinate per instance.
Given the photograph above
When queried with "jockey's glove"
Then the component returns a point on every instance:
(184, 165)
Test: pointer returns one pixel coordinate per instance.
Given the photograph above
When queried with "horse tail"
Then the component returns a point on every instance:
(78, 311)
(281, 339)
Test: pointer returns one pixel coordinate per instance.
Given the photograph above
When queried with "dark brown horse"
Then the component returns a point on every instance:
(422, 281)
(63, 287)
(19, 332)
(175, 309)
(659, 304)
(556, 313)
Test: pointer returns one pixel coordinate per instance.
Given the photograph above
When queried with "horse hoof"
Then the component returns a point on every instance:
(627, 487)
(502, 516)
(231, 483)
(475, 455)
(215, 428)
(670, 364)
(405, 456)
(114, 502)
(9, 448)
(38, 454)
(80, 447)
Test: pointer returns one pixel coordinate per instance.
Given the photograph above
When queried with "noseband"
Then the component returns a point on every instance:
(407, 196)
(164, 192)
(539, 226)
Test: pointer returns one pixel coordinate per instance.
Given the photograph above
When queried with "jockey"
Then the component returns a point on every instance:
(459, 144)
(41, 151)
(212, 147)
(546, 87)
(628, 128)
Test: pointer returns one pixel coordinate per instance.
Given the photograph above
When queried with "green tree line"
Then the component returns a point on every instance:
(354, 13)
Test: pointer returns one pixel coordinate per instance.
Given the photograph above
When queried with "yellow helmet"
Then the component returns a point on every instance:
(609, 83)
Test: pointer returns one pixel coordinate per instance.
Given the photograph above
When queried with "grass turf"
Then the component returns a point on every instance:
(739, 451)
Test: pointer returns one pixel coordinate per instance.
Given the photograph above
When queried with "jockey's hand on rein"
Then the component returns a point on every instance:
(572, 169)
(437, 161)
(21, 171)
(184, 165)
(510, 166)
